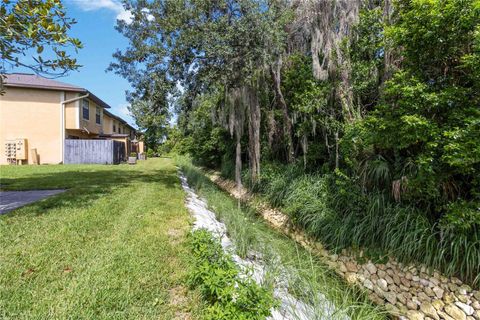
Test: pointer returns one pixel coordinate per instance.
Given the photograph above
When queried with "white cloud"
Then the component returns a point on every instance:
(123, 110)
(113, 5)
(147, 14)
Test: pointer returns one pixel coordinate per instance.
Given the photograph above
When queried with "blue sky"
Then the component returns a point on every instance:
(95, 28)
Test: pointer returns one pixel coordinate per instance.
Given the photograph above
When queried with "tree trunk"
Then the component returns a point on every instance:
(275, 70)
(238, 164)
(254, 134)
(388, 56)
(304, 150)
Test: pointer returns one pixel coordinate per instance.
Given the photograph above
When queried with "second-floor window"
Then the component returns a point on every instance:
(98, 115)
(86, 109)
(114, 128)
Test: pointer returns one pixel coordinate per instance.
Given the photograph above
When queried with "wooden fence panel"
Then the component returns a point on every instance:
(79, 151)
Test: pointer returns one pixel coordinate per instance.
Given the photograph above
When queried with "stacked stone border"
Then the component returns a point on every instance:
(406, 291)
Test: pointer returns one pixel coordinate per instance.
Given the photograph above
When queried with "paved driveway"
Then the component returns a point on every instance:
(10, 200)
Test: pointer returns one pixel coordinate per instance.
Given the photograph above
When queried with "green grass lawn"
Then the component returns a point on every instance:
(111, 247)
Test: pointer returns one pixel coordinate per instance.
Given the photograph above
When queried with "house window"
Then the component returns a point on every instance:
(86, 109)
(98, 116)
(114, 127)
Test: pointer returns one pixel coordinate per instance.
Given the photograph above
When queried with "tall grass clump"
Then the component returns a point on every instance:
(336, 211)
(308, 278)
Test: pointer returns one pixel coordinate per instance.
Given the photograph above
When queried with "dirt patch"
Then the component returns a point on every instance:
(175, 235)
(179, 300)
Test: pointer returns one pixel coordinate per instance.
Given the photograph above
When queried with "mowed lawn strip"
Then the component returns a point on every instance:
(110, 247)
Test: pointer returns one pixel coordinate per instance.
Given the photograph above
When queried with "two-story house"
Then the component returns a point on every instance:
(116, 128)
(44, 112)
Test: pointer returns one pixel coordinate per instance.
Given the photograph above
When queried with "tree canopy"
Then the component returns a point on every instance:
(380, 97)
(38, 28)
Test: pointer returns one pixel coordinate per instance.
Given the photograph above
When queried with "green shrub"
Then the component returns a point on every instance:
(150, 153)
(230, 296)
(334, 209)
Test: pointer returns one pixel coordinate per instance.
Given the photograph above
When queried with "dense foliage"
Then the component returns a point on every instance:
(366, 114)
(229, 295)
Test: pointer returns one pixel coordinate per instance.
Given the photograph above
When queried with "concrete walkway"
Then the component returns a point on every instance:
(10, 200)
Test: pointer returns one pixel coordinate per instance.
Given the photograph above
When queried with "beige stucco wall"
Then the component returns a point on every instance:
(72, 111)
(107, 124)
(90, 124)
(36, 116)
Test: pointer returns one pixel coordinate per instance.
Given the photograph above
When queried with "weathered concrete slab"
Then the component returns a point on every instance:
(10, 200)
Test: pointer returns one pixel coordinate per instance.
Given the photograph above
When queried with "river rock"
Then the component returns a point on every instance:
(381, 273)
(360, 277)
(438, 292)
(388, 279)
(394, 288)
(444, 316)
(429, 292)
(476, 305)
(455, 312)
(448, 297)
(476, 294)
(412, 305)
(476, 314)
(462, 298)
(401, 298)
(438, 304)
(424, 282)
(423, 297)
(462, 290)
(415, 315)
(465, 307)
(390, 297)
(375, 299)
(406, 282)
(366, 273)
(351, 266)
(429, 310)
(341, 267)
(396, 280)
(452, 286)
(466, 287)
(392, 309)
(378, 291)
(370, 267)
(382, 284)
(435, 281)
(368, 284)
(402, 308)
(403, 288)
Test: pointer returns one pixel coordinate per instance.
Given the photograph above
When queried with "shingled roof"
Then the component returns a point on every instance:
(26, 80)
